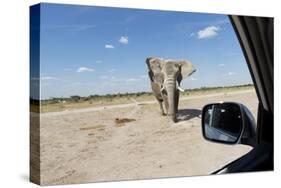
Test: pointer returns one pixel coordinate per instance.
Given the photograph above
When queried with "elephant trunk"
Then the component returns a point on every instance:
(171, 92)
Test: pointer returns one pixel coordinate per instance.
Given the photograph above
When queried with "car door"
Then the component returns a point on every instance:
(255, 35)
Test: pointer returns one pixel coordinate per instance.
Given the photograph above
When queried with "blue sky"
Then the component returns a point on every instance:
(97, 50)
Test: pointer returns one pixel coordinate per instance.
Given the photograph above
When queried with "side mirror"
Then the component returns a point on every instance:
(228, 122)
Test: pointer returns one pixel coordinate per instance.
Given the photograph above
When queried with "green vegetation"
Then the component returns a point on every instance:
(206, 90)
(76, 101)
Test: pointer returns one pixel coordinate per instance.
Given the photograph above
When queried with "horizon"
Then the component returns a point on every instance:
(146, 92)
(88, 50)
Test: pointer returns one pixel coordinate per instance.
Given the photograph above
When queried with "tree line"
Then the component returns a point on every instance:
(77, 98)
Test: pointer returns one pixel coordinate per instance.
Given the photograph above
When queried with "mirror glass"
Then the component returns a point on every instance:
(222, 122)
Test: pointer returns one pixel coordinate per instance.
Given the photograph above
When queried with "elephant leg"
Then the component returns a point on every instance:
(165, 99)
(177, 101)
(161, 107)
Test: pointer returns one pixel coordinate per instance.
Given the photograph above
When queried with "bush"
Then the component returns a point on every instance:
(75, 98)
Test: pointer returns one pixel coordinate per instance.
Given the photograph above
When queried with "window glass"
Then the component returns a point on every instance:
(122, 90)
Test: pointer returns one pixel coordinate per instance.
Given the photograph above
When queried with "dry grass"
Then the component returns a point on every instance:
(71, 105)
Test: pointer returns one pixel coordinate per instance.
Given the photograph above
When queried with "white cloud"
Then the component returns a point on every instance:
(221, 65)
(230, 74)
(208, 32)
(193, 78)
(124, 40)
(84, 69)
(109, 46)
(48, 78)
(138, 78)
(133, 80)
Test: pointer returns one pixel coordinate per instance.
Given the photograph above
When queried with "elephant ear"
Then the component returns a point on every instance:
(154, 69)
(187, 69)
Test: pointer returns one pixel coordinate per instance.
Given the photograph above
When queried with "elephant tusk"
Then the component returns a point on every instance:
(180, 89)
(162, 88)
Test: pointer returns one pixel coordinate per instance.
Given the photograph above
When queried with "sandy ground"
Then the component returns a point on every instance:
(89, 145)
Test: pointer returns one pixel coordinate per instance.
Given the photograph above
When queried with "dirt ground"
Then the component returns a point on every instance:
(98, 144)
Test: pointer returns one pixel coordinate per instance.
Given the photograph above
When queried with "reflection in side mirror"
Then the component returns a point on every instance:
(227, 123)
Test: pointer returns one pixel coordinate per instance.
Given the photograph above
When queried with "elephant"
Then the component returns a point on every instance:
(165, 79)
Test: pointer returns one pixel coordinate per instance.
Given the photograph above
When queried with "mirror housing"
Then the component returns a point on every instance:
(228, 123)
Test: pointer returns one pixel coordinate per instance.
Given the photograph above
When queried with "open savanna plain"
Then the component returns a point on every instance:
(131, 140)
